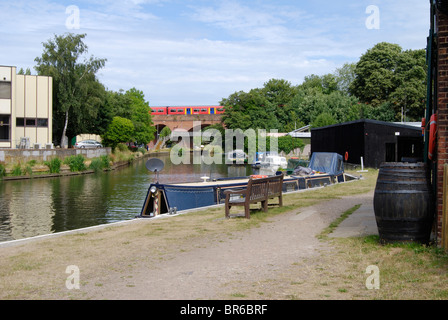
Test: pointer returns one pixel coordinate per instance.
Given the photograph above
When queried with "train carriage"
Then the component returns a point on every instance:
(158, 110)
(183, 110)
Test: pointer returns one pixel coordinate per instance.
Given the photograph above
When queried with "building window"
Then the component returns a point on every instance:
(4, 127)
(20, 122)
(5, 90)
(42, 123)
(32, 122)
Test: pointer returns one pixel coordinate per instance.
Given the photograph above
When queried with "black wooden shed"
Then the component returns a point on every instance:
(374, 141)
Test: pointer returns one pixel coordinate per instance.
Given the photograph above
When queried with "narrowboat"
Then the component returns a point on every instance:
(323, 169)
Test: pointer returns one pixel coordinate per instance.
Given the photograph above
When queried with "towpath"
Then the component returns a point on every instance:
(247, 265)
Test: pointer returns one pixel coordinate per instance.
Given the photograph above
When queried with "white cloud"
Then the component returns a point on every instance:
(202, 52)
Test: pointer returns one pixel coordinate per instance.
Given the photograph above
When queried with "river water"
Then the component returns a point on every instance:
(35, 207)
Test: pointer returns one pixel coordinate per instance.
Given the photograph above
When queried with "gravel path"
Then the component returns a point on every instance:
(230, 266)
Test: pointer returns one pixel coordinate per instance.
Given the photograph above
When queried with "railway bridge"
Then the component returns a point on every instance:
(187, 119)
(185, 122)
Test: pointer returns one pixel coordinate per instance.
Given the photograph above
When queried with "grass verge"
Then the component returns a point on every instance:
(406, 271)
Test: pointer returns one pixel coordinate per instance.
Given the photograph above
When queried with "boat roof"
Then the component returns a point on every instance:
(329, 162)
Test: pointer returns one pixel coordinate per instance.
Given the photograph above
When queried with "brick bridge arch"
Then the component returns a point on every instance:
(183, 122)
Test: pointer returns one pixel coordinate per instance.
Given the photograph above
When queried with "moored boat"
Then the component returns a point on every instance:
(324, 169)
(236, 157)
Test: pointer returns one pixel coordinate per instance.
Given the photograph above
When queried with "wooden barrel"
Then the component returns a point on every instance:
(403, 202)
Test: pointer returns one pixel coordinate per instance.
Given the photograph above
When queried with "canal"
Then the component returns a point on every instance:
(35, 207)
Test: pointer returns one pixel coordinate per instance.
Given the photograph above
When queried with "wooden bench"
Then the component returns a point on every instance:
(257, 190)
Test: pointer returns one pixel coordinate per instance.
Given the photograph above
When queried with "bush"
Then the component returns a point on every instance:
(32, 163)
(105, 160)
(288, 144)
(322, 120)
(76, 163)
(54, 165)
(28, 170)
(17, 170)
(2, 170)
(96, 165)
(166, 131)
(122, 147)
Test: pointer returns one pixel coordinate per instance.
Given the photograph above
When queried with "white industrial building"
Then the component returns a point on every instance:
(26, 105)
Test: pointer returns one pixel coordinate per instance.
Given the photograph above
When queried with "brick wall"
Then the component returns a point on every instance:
(442, 112)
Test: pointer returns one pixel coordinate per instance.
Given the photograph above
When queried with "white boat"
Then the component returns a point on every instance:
(274, 162)
(236, 157)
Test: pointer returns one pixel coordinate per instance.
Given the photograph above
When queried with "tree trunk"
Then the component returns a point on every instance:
(64, 142)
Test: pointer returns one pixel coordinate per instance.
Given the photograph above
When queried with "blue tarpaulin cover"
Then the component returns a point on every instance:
(328, 162)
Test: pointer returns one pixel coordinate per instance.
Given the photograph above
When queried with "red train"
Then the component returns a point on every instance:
(187, 110)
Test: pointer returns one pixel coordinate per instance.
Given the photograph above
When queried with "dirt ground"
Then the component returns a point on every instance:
(278, 259)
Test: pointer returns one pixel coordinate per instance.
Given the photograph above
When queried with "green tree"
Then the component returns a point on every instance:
(326, 84)
(249, 110)
(386, 74)
(120, 130)
(279, 92)
(322, 120)
(140, 117)
(344, 77)
(27, 72)
(166, 132)
(374, 80)
(288, 144)
(74, 81)
(410, 84)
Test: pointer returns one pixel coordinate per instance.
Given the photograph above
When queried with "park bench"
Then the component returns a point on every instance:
(257, 190)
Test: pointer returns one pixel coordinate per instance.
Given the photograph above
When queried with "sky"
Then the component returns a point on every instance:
(195, 52)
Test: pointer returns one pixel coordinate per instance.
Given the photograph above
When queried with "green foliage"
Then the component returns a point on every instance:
(249, 110)
(100, 164)
(288, 144)
(96, 165)
(17, 170)
(27, 72)
(385, 81)
(54, 165)
(120, 130)
(387, 74)
(309, 103)
(2, 170)
(105, 160)
(32, 163)
(121, 147)
(77, 94)
(28, 170)
(141, 117)
(76, 163)
(166, 132)
(322, 120)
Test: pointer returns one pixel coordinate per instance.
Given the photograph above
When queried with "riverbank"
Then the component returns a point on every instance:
(35, 170)
(286, 254)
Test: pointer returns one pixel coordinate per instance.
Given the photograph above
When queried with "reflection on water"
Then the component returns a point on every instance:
(41, 206)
